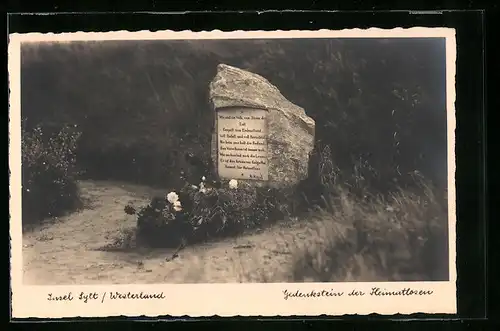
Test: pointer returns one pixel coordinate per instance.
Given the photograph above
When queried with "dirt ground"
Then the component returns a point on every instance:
(69, 251)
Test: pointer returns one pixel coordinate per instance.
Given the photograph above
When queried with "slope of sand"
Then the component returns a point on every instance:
(68, 251)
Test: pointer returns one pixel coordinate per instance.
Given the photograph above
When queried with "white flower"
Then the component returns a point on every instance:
(203, 178)
(177, 205)
(202, 188)
(233, 184)
(200, 221)
(194, 187)
(172, 197)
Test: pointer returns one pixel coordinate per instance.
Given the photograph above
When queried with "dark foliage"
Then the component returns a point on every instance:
(49, 173)
(142, 106)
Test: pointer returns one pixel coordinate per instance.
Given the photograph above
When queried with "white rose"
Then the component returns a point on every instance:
(172, 197)
(233, 184)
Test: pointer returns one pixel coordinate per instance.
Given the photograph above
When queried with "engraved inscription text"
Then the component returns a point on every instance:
(242, 144)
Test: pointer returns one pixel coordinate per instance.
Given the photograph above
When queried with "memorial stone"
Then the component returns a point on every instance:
(259, 136)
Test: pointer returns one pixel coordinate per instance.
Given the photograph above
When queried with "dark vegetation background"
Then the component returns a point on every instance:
(142, 106)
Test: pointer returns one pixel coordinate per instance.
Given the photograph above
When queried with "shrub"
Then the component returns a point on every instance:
(403, 237)
(49, 173)
(209, 210)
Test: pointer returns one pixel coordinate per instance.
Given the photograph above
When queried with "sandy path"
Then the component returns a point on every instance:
(66, 252)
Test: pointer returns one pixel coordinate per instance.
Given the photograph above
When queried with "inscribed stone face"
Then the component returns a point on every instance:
(242, 144)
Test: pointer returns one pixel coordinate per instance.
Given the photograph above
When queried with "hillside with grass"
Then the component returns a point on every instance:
(142, 105)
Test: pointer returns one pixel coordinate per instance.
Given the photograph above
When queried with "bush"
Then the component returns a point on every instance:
(49, 173)
(400, 238)
(210, 210)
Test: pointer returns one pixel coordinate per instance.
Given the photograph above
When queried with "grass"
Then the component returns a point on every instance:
(402, 237)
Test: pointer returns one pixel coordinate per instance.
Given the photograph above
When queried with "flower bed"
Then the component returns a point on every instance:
(211, 209)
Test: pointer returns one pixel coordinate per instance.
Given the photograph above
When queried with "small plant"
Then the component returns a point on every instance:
(49, 173)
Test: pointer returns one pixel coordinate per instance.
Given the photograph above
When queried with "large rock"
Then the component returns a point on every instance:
(288, 132)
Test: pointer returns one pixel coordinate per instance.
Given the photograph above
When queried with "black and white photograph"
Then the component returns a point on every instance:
(233, 158)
